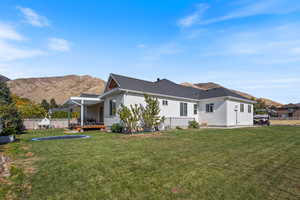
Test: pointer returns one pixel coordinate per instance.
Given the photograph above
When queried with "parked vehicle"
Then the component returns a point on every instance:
(262, 120)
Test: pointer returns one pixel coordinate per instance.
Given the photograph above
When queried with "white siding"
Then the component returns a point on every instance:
(170, 110)
(216, 118)
(237, 118)
(109, 120)
(223, 115)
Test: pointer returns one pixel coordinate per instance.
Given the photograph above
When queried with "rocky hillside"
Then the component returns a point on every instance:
(3, 78)
(210, 85)
(60, 88)
(63, 87)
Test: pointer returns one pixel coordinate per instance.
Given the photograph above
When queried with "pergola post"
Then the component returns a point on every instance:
(82, 113)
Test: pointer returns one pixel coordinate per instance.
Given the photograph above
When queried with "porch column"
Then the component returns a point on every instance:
(69, 116)
(82, 113)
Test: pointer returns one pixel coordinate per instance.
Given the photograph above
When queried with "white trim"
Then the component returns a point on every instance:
(159, 95)
(109, 92)
(86, 98)
(240, 99)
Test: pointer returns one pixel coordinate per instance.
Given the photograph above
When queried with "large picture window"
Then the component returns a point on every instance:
(112, 108)
(210, 108)
(183, 109)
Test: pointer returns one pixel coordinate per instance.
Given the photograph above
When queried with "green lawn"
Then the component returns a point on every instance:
(248, 163)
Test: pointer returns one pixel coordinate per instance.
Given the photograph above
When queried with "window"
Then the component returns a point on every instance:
(164, 102)
(210, 108)
(195, 109)
(183, 109)
(242, 107)
(249, 109)
(112, 107)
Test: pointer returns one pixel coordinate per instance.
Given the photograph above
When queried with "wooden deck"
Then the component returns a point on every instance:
(90, 127)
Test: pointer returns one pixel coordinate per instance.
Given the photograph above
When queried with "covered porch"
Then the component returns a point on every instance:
(91, 109)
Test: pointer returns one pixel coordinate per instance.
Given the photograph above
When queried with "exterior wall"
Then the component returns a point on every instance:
(223, 115)
(237, 118)
(216, 118)
(170, 110)
(110, 120)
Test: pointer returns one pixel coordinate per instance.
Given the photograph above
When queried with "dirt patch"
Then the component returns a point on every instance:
(285, 122)
(29, 154)
(4, 166)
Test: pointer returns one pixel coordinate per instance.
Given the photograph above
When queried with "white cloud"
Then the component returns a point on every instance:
(194, 17)
(58, 44)
(9, 52)
(7, 32)
(245, 9)
(141, 46)
(268, 45)
(31, 17)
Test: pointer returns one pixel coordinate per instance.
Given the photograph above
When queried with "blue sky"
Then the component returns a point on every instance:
(248, 45)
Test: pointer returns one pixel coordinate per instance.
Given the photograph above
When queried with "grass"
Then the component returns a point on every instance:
(248, 163)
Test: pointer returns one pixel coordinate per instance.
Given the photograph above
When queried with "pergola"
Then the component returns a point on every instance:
(82, 102)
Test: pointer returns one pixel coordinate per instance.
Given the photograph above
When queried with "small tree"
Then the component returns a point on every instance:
(53, 103)
(11, 121)
(130, 116)
(45, 105)
(150, 114)
(5, 96)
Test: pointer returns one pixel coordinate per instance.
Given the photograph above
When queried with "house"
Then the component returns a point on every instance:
(289, 111)
(179, 104)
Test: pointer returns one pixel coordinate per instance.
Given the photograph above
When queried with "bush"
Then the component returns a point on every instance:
(178, 128)
(193, 124)
(117, 128)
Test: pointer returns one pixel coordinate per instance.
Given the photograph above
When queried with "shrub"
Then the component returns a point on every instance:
(193, 124)
(117, 128)
(130, 116)
(150, 114)
(178, 128)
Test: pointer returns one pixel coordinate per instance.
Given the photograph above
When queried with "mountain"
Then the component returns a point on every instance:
(60, 88)
(3, 78)
(211, 85)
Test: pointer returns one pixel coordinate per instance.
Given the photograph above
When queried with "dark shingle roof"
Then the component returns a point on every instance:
(166, 87)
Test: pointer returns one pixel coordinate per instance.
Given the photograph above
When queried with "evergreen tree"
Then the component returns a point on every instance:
(10, 118)
(45, 104)
(5, 97)
(53, 103)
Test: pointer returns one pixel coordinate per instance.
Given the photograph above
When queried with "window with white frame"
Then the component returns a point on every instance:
(183, 109)
(249, 109)
(165, 102)
(242, 107)
(112, 107)
(195, 109)
(210, 107)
